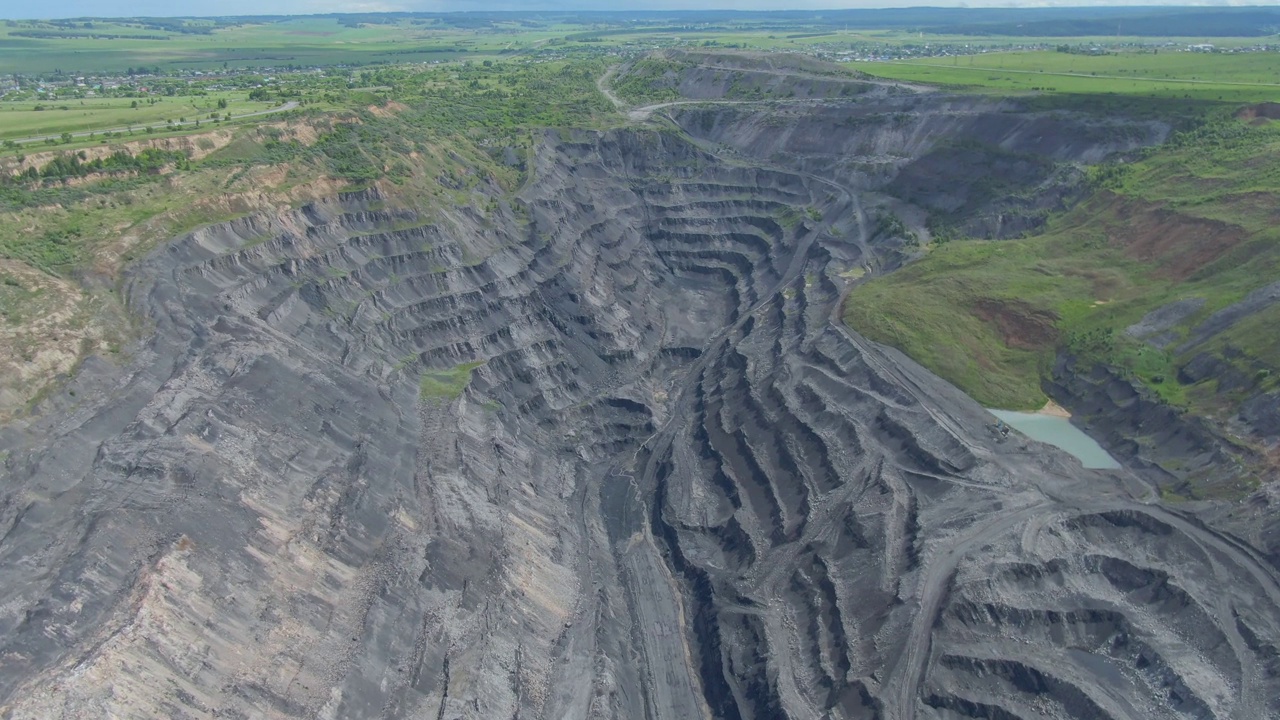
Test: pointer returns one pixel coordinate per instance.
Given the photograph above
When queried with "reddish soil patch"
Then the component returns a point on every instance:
(1254, 204)
(1020, 325)
(1266, 110)
(1177, 245)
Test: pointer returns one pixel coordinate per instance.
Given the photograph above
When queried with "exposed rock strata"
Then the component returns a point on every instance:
(674, 488)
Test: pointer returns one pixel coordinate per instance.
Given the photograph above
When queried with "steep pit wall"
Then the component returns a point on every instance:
(672, 487)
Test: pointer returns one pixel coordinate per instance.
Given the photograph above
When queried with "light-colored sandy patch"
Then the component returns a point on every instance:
(195, 146)
(390, 109)
(44, 330)
(1054, 409)
(302, 131)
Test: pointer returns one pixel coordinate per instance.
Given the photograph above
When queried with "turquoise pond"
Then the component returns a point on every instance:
(1059, 432)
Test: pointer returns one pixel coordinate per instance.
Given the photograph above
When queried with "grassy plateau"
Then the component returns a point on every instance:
(1193, 220)
(1168, 73)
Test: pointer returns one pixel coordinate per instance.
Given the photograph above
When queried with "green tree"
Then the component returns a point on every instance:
(66, 138)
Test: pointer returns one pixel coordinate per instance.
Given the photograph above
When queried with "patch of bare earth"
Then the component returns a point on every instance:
(194, 146)
(46, 327)
(304, 132)
(1177, 245)
(1264, 111)
(1020, 325)
(388, 109)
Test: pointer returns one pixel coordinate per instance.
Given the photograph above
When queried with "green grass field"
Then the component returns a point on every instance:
(297, 41)
(311, 41)
(802, 39)
(446, 384)
(1229, 77)
(20, 120)
(1196, 220)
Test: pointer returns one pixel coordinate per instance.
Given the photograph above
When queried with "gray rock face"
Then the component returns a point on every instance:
(1221, 320)
(1156, 325)
(673, 489)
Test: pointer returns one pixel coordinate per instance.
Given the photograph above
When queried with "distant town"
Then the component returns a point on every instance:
(273, 81)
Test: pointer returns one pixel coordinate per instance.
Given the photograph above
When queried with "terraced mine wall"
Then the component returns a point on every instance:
(649, 476)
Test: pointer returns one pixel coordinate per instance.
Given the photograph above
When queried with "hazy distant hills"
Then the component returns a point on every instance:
(1146, 21)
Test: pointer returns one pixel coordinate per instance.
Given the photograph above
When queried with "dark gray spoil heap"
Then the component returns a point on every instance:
(675, 489)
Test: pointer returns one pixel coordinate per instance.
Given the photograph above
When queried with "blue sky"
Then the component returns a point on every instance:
(117, 8)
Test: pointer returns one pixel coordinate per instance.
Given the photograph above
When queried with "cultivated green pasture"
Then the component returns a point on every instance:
(1229, 77)
(20, 120)
(296, 41)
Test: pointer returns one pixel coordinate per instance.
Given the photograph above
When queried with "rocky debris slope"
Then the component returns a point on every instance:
(983, 169)
(667, 485)
(1222, 445)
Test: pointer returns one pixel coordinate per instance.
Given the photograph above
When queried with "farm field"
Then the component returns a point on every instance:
(293, 42)
(32, 47)
(764, 39)
(20, 120)
(1229, 77)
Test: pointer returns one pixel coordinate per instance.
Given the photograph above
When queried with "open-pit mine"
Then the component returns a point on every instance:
(606, 450)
